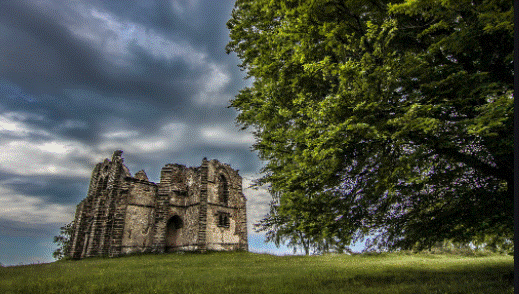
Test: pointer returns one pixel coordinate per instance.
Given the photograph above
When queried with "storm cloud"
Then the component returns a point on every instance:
(80, 79)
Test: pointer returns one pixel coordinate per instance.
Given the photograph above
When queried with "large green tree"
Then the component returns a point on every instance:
(392, 118)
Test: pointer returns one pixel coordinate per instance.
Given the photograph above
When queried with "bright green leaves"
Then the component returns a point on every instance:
(378, 37)
(395, 109)
(493, 117)
(416, 119)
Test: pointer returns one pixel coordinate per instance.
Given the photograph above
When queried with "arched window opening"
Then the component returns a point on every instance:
(223, 190)
(102, 184)
(105, 183)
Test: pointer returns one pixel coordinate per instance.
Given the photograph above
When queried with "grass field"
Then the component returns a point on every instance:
(242, 272)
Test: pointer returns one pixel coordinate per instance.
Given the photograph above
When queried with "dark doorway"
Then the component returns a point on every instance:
(173, 229)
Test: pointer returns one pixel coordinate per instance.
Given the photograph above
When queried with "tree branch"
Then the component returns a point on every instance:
(472, 161)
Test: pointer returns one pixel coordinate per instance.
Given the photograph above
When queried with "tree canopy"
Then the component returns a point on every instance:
(392, 118)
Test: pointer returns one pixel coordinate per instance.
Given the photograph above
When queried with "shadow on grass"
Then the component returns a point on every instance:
(473, 279)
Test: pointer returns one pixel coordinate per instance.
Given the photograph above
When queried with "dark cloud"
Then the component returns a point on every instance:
(61, 189)
(201, 22)
(81, 79)
(66, 77)
(42, 56)
(11, 229)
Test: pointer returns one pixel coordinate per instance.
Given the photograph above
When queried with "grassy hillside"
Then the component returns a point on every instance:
(241, 272)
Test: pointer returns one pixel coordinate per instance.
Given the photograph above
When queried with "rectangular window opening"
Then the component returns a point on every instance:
(223, 219)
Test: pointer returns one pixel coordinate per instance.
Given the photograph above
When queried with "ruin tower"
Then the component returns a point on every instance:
(191, 209)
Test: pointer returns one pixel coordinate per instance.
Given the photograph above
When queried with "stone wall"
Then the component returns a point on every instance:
(200, 208)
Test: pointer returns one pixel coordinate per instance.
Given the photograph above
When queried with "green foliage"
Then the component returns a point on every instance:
(243, 272)
(390, 118)
(305, 224)
(489, 245)
(63, 241)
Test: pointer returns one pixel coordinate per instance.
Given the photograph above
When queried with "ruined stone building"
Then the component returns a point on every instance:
(192, 209)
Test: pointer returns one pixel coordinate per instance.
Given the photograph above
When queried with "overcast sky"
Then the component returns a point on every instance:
(80, 79)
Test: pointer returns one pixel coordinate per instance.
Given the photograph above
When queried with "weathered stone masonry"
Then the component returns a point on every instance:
(201, 208)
